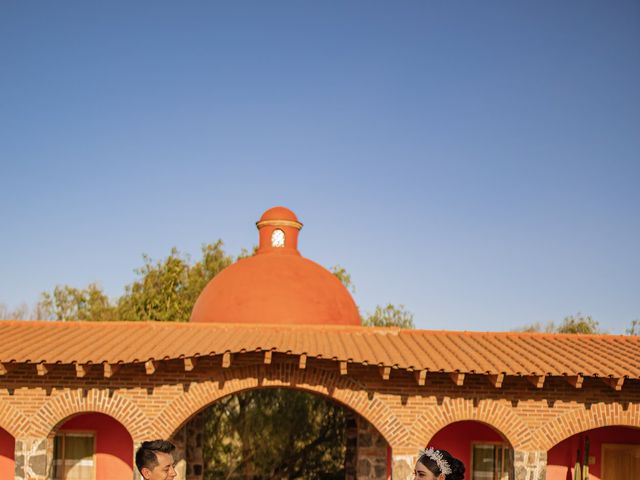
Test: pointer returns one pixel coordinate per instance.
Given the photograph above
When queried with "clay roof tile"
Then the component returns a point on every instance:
(513, 353)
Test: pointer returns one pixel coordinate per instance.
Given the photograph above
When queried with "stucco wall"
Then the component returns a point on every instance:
(562, 457)
(458, 437)
(114, 446)
(7, 448)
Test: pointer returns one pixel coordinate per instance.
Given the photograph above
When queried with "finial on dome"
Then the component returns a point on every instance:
(279, 228)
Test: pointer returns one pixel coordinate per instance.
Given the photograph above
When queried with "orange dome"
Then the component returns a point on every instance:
(277, 285)
(278, 213)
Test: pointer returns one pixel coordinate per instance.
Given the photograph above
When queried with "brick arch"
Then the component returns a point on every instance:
(343, 389)
(13, 420)
(59, 408)
(580, 420)
(489, 412)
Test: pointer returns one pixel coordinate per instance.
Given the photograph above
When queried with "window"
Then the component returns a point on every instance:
(490, 462)
(277, 238)
(73, 456)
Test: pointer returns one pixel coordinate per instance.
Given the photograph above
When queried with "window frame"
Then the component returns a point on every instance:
(505, 449)
(88, 433)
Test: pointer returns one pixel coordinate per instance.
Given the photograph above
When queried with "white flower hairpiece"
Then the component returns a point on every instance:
(436, 456)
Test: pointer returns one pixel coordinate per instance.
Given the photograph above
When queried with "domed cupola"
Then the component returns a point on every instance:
(277, 285)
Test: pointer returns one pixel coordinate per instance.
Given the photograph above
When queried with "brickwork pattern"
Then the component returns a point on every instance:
(591, 416)
(158, 402)
(13, 420)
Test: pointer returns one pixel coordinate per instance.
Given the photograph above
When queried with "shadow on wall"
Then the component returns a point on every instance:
(562, 457)
(113, 445)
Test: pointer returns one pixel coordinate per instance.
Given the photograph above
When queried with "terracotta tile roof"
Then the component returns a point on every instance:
(511, 353)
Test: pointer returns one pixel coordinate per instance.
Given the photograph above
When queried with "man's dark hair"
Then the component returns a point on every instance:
(146, 454)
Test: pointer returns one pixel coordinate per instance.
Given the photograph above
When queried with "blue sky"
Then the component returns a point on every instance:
(478, 162)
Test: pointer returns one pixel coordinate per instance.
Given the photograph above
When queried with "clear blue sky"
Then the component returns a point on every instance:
(478, 162)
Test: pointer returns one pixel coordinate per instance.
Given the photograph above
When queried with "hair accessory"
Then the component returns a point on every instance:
(436, 456)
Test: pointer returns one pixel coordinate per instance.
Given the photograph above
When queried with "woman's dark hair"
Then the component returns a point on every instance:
(146, 454)
(457, 467)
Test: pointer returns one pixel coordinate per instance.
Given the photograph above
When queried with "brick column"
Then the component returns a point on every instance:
(31, 459)
(529, 465)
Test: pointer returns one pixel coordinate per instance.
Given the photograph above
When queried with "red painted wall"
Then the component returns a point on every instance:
(457, 438)
(114, 446)
(7, 449)
(562, 457)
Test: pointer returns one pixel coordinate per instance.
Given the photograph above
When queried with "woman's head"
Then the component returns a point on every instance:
(435, 464)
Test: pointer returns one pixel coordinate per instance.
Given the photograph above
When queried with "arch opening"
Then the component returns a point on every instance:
(614, 452)
(280, 432)
(91, 446)
(7, 454)
(485, 451)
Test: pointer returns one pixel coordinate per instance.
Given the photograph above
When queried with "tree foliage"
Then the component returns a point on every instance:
(68, 303)
(165, 290)
(168, 289)
(344, 277)
(274, 433)
(577, 323)
(390, 316)
(21, 312)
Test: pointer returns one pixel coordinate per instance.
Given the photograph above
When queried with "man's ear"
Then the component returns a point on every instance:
(146, 473)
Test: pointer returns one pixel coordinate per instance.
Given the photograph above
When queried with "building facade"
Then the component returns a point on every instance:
(77, 398)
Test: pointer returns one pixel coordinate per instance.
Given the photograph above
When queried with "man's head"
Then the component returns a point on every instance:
(155, 460)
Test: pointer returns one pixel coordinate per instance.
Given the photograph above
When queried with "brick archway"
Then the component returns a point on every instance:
(489, 412)
(58, 409)
(13, 420)
(344, 390)
(580, 420)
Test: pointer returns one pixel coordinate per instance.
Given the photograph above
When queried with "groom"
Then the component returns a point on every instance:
(155, 460)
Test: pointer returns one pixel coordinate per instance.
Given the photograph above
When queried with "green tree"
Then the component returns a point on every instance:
(168, 289)
(390, 316)
(344, 277)
(577, 323)
(274, 433)
(549, 327)
(634, 328)
(68, 303)
(20, 312)
(161, 293)
(165, 290)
